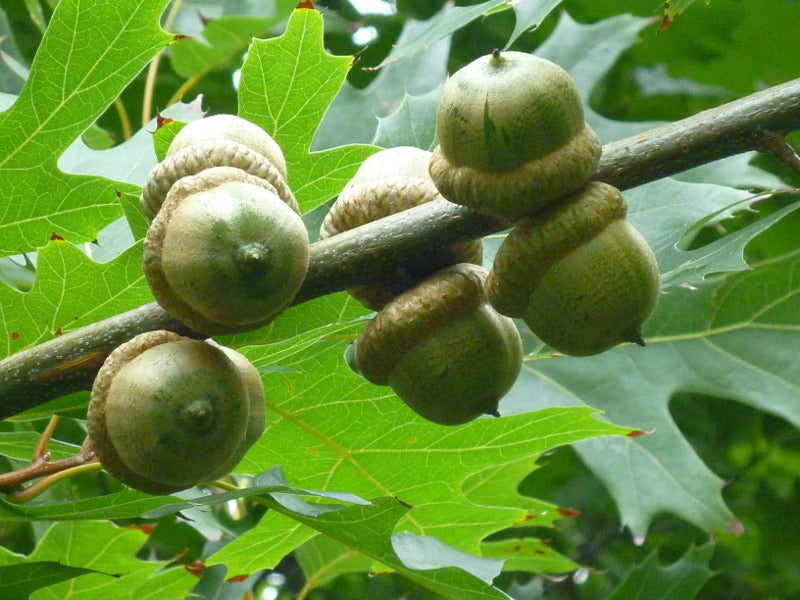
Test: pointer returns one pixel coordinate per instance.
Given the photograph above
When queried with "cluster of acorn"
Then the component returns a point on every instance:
(222, 217)
(512, 143)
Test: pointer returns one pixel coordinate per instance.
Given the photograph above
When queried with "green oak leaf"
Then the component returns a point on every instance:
(70, 290)
(681, 580)
(90, 52)
(330, 429)
(287, 84)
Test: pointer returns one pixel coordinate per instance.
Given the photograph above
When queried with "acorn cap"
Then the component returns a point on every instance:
(234, 129)
(193, 159)
(512, 135)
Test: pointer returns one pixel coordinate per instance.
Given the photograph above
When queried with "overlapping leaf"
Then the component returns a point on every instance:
(107, 553)
(286, 86)
(73, 79)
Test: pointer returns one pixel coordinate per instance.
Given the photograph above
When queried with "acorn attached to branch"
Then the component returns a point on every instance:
(578, 273)
(226, 250)
(168, 412)
(388, 182)
(440, 346)
(512, 136)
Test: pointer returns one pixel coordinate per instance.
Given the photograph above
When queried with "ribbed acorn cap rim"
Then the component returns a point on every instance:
(408, 318)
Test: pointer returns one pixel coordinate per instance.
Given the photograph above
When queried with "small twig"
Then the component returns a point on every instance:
(42, 466)
(29, 493)
(776, 144)
(40, 448)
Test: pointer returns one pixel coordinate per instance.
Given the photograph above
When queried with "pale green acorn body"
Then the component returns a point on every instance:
(582, 278)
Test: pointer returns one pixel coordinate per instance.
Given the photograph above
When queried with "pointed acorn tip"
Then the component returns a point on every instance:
(637, 338)
(494, 413)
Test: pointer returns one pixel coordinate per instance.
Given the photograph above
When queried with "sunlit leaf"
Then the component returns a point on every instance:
(287, 84)
(70, 85)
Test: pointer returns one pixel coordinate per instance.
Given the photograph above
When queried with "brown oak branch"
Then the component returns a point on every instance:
(69, 363)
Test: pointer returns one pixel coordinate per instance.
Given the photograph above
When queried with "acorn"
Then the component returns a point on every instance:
(512, 136)
(386, 183)
(442, 348)
(168, 412)
(225, 254)
(578, 273)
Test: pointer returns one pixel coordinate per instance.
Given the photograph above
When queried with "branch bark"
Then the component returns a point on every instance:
(70, 362)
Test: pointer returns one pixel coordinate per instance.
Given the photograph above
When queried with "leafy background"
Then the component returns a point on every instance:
(716, 388)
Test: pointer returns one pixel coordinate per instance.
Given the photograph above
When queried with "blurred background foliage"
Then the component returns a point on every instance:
(711, 54)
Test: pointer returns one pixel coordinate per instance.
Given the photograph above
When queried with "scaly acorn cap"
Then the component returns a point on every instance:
(446, 353)
(512, 136)
(233, 129)
(578, 273)
(388, 182)
(193, 159)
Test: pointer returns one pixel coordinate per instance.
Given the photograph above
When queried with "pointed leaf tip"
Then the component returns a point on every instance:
(735, 527)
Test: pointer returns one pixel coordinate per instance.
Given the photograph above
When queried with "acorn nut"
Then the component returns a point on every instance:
(224, 254)
(168, 412)
(581, 277)
(388, 182)
(512, 136)
(440, 346)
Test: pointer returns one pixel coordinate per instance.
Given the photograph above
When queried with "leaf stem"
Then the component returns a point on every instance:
(364, 254)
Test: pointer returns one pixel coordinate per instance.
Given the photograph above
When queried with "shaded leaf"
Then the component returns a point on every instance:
(681, 580)
(354, 113)
(19, 581)
(412, 124)
(444, 23)
(529, 15)
(729, 336)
